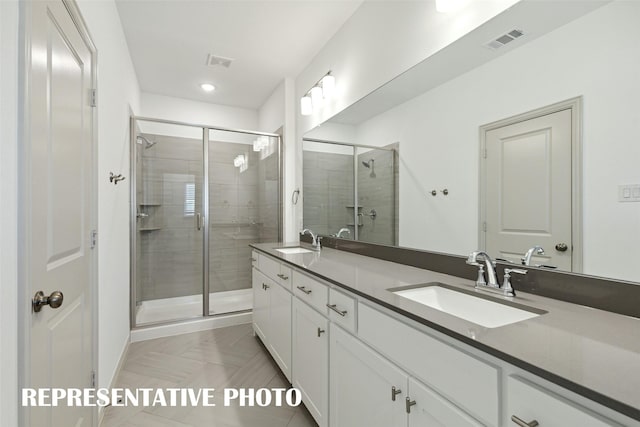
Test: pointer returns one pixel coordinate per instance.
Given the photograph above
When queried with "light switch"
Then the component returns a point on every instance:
(629, 193)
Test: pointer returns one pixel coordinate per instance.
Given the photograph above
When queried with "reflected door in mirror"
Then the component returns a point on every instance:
(528, 189)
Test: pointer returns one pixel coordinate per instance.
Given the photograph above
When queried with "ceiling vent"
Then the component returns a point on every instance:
(504, 39)
(218, 61)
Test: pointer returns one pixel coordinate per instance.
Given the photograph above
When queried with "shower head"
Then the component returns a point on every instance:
(147, 143)
(369, 165)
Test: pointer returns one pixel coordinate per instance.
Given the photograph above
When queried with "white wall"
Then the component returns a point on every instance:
(271, 113)
(8, 212)
(118, 92)
(185, 110)
(596, 57)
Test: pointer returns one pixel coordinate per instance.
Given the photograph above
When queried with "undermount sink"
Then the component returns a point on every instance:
(294, 250)
(467, 306)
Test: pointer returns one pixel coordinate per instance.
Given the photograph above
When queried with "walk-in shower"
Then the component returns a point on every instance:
(351, 187)
(200, 195)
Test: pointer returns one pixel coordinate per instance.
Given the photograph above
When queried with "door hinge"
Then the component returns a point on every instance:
(484, 226)
(94, 97)
(93, 379)
(94, 238)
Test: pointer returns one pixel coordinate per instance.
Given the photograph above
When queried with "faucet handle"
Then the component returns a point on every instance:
(507, 289)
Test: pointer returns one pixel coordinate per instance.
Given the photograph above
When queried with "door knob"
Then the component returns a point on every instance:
(561, 247)
(39, 299)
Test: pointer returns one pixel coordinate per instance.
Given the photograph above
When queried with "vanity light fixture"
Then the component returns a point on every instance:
(306, 107)
(207, 87)
(314, 98)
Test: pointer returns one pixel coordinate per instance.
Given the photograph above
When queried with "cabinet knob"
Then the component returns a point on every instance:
(394, 392)
(522, 423)
(320, 331)
(408, 404)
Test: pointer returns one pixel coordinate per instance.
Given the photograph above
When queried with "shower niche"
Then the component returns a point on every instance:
(200, 196)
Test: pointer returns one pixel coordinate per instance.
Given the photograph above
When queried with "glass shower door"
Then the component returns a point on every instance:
(169, 233)
(243, 187)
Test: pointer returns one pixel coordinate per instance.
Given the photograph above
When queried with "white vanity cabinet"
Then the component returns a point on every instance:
(272, 318)
(311, 360)
(368, 390)
(361, 385)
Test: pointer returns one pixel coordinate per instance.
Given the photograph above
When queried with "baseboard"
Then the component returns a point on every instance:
(116, 373)
(185, 327)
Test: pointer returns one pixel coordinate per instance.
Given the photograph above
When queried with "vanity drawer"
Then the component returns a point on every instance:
(461, 378)
(342, 310)
(530, 402)
(311, 291)
(276, 271)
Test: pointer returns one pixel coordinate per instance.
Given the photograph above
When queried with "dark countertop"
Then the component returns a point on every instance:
(591, 352)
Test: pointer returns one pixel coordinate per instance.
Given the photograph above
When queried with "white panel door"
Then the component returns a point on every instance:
(528, 190)
(280, 327)
(360, 385)
(260, 305)
(57, 206)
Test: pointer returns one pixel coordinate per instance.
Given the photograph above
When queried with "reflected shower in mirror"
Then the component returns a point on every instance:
(351, 191)
(582, 55)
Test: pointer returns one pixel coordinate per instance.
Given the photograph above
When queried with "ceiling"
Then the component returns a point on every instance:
(269, 40)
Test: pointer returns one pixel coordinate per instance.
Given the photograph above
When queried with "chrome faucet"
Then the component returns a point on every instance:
(343, 230)
(526, 259)
(491, 285)
(315, 239)
(490, 267)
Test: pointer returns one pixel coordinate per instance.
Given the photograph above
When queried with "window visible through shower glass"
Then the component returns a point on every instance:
(243, 209)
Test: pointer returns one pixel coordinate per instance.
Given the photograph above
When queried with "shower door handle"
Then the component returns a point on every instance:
(199, 221)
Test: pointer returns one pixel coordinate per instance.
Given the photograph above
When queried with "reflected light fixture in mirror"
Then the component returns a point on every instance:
(328, 86)
(316, 96)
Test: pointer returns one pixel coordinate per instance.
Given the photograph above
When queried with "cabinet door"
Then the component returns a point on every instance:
(280, 327)
(430, 409)
(260, 305)
(311, 359)
(361, 384)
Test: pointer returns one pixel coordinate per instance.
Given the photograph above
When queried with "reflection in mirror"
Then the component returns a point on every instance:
(351, 191)
(590, 54)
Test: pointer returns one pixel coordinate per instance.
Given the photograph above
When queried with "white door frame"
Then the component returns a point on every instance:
(575, 105)
(24, 300)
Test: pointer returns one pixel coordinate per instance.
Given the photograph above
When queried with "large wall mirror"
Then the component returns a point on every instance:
(570, 79)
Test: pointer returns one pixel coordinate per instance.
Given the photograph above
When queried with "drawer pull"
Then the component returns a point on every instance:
(303, 289)
(340, 312)
(265, 286)
(522, 423)
(394, 392)
(320, 331)
(283, 277)
(408, 404)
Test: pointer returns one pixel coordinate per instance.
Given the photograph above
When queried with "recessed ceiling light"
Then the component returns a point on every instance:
(207, 87)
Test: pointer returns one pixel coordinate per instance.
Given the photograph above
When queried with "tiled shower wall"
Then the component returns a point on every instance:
(327, 194)
(243, 208)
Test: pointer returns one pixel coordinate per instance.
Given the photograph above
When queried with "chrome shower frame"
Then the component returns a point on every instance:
(205, 208)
